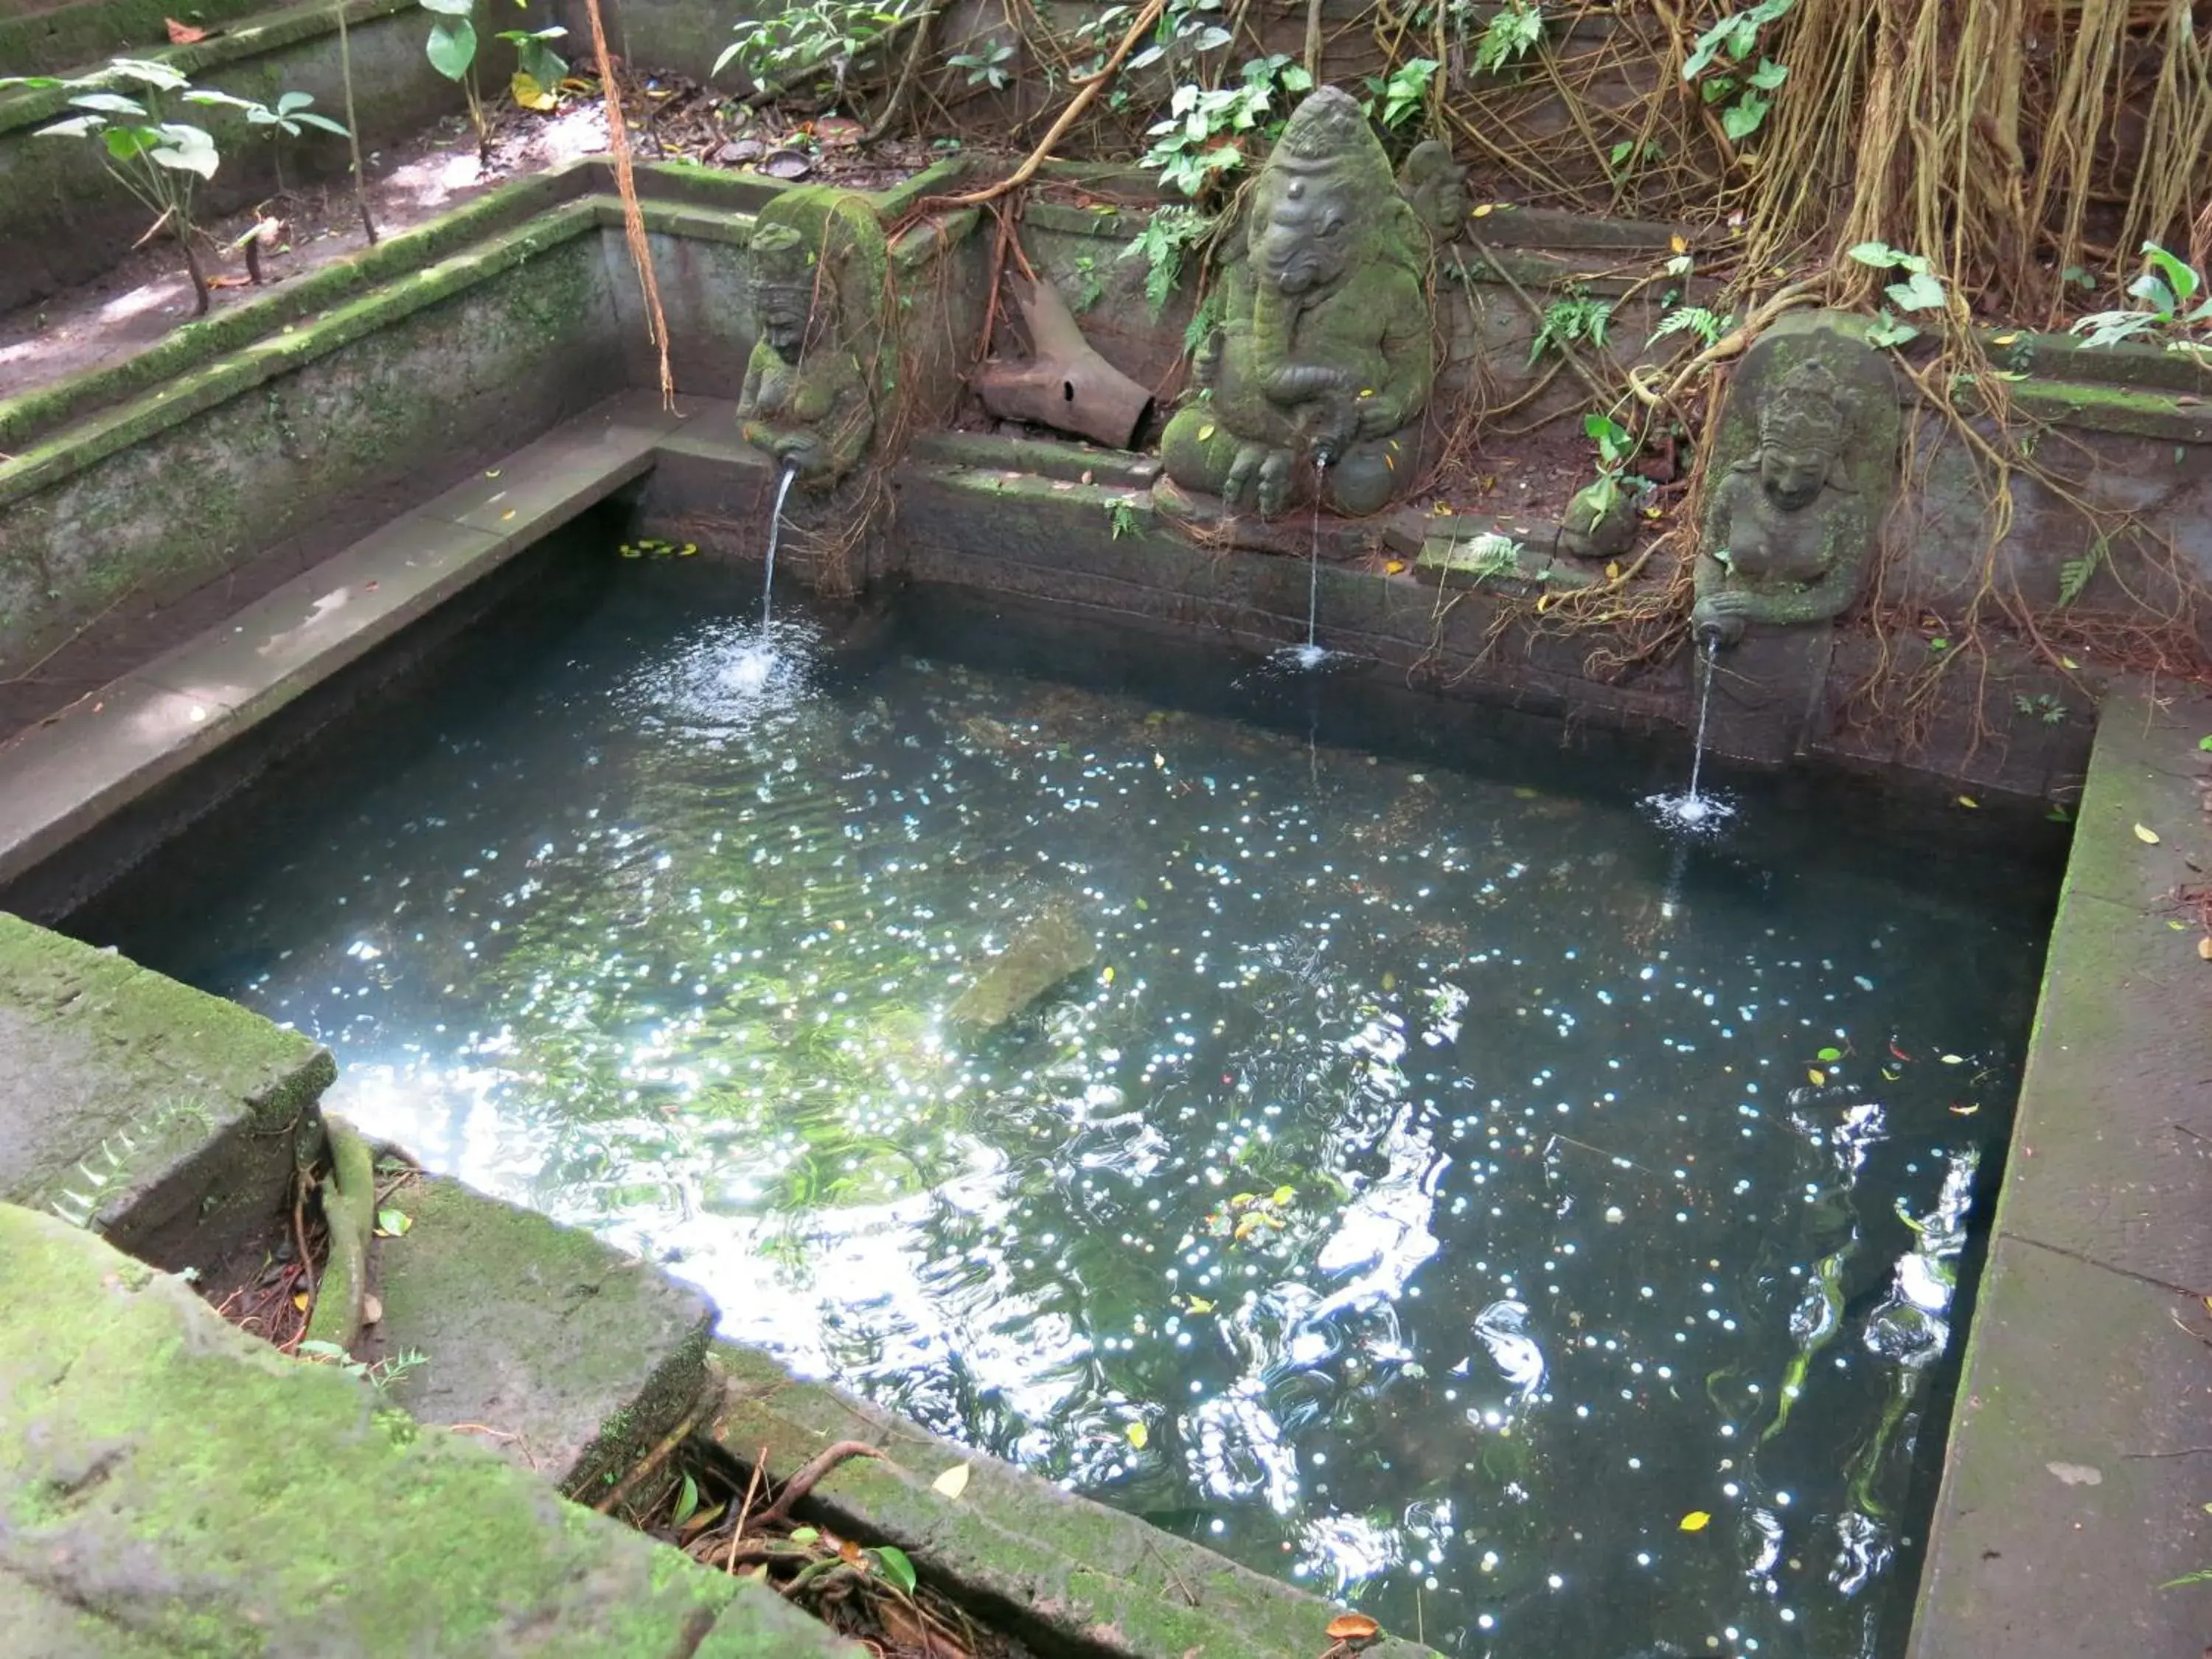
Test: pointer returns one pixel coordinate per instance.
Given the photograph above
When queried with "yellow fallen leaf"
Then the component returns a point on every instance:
(1139, 1434)
(1282, 1195)
(300, 1300)
(1199, 1304)
(1248, 1227)
(1678, 244)
(1482, 210)
(2147, 836)
(1819, 1077)
(952, 1482)
(1954, 1060)
(1205, 432)
(1965, 1111)
(2204, 947)
(1395, 567)
(1968, 801)
(528, 93)
(2067, 662)
(1613, 571)
(1696, 1520)
(1106, 977)
(2004, 339)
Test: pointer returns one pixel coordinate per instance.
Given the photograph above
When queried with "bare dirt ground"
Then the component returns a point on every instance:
(147, 294)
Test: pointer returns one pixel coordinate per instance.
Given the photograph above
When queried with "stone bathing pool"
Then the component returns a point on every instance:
(1443, 1189)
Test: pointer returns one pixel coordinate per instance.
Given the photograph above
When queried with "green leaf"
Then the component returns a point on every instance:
(1830, 1055)
(322, 121)
(1768, 75)
(1919, 291)
(687, 1502)
(896, 1566)
(109, 103)
(2181, 277)
(188, 149)
(805, 1535)
(145, 70)
(288, 101)
(451, 7)
(76, 127)
(129, 143)
(451, 48)
(394, 1221)
(1743, 117)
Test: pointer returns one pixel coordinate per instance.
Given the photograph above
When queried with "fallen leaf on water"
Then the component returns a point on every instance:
(1199, 1304)
(2146, 836)
(1965, 1111)
(1954, 1060)
(1138, 1435)
(1830, 1054)
(952, 1482)
(1817, 1076)
(1696, 1520)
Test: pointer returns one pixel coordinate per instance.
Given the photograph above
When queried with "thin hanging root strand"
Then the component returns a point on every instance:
(641, 250)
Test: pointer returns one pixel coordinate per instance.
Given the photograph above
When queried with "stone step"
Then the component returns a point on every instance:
(571, 1358)
(164, 1117)
(169, 1486)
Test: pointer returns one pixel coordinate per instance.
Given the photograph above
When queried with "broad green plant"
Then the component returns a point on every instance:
(1200, 141)
(158, 159)
(451, 50)
(1398, 97)
(1743, 89)
(2168, 286)
(1917, 289)
(787, 44)
(1570, 322)
(1514, 30)
(1616, 447)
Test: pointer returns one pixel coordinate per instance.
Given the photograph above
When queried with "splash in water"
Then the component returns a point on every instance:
(1693, 811)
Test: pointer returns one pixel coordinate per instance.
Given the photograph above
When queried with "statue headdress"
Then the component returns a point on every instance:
(1810, 408)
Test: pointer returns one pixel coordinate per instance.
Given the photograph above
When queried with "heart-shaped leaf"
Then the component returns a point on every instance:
(451, 48)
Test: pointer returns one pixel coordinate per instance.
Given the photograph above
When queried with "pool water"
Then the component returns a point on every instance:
(1444, 1189)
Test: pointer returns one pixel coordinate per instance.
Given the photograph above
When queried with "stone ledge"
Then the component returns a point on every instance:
(578, 1357)
(169, 1486)
(79, 767)
(164, 1117)
(1028, 1557)
(2070, 1496)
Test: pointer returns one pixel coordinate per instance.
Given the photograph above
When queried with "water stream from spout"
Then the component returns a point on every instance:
(1693, 810)
(775, 530)
(1310, 655)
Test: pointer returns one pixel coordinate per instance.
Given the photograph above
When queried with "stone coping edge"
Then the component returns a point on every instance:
(74, 770)
(1059, 1570)
(56, 429)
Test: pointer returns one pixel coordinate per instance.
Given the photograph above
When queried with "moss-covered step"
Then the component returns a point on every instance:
(163, 1116)
(1062, 1572)
(570, 1357)
(171, 1486)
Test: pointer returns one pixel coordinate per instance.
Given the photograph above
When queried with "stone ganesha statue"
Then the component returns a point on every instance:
(819, 365)
(1327, 348)
(1793, 524)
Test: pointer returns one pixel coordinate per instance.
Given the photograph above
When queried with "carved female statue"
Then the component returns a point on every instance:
(809, 397)
(1788, 535)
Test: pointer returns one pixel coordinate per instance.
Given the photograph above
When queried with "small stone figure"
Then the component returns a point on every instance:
(1790, 530)
(1434, 187)
(811, 382)
(1326, 352)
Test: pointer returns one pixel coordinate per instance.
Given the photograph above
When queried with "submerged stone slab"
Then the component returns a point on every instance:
(164, 1116)
(572, 1358)
(1043, 949)
(1060, 1572)
(169, 1486)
